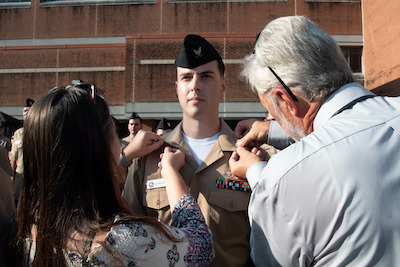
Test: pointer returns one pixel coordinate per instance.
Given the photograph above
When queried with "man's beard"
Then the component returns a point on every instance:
(295, 131)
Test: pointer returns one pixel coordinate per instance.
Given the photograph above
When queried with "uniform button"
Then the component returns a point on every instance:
(158, 202)
(231, 204)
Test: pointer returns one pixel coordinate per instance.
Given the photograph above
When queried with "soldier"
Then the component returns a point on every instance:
(207, 142)
(16, 158)
(134, 125)
(163, 127)
(4, 140)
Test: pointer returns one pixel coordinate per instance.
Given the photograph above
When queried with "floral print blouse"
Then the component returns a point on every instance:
(138, 244)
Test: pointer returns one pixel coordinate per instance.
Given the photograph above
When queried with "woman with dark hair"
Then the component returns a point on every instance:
(70, 211)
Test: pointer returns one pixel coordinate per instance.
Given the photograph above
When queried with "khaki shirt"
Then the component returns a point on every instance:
(128, 138)
(225, 210)
(16, 159)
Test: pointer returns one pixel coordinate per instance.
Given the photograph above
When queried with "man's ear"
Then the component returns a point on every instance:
(223, 86)
(286, 101)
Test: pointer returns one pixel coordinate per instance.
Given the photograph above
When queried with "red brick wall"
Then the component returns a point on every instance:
(381, 46)
(153, 31)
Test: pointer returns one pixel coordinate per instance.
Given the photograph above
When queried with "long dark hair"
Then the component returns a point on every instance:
(68, 172)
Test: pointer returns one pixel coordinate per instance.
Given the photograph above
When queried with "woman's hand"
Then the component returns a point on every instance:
(171, 160)
(142, 144)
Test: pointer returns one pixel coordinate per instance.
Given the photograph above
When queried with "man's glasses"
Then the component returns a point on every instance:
(284, 85)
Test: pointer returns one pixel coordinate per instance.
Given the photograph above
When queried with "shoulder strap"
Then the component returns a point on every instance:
(352, 103)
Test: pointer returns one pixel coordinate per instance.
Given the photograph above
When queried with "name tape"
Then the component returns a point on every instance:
(156, 183)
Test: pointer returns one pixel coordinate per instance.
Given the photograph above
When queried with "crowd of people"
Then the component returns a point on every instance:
(302, 188)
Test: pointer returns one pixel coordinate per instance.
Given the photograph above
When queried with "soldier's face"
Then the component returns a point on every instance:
(200, 89)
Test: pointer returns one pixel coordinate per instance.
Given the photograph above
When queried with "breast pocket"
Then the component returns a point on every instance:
(229, 200)
(155, 193)
(156, 198)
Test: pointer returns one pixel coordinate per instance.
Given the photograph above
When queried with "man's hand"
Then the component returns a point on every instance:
(243, 127)
(256, 132)
(242, 159)
(142, 144)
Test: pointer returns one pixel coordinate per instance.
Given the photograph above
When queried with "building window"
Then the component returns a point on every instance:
(188, 1)
(354, 57)
(332, 1)
(14, 1)
(5, 4)
(46, 3)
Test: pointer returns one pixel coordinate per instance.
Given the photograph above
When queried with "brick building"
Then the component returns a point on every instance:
(127, 47)
(381, 57)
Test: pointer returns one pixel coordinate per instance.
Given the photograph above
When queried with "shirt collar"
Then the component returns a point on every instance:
(337, 100)
(227, 138)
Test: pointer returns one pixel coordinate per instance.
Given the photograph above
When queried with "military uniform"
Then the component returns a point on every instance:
(225, 210)
(128, 138)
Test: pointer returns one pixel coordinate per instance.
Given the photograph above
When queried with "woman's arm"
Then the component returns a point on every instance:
(171, 162)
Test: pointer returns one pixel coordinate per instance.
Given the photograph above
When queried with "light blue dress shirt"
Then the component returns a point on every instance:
(333, 198)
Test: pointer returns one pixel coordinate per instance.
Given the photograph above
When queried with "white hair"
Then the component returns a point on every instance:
(304, 56)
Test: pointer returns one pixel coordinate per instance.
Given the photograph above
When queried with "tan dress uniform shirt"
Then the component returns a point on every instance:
(16, 151)
(128, 138)
(225, 210)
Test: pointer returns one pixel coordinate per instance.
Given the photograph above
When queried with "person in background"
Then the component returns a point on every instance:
(7, 217)
(5, 147)
(122, 143)
(207, 142)
(4, 140)
(326, 200)
(163, 127)
(134, 125)
(71, 212)
(16, 155)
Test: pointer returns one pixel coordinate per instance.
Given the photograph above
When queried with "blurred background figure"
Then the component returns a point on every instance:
(163, 127)
(4, 140)
(134, 125)
(7, 215)
(16, 157)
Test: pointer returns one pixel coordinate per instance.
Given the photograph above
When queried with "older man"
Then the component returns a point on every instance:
(332, 198)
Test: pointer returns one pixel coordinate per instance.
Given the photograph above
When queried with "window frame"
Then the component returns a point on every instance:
(54, 3)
